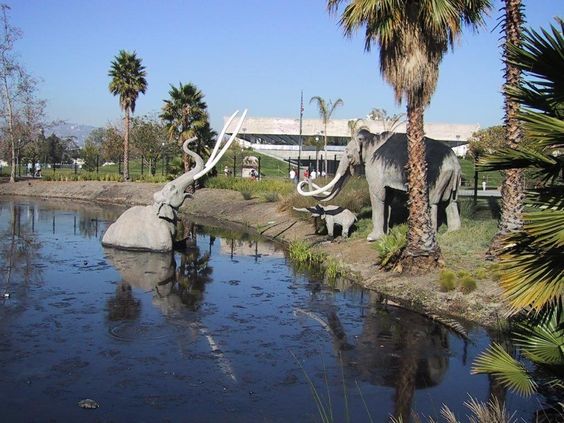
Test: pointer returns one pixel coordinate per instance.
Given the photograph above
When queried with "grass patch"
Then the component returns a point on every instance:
(307, 258)
(302, 253)
(271, 197)
(247, 195)
(257, 188)
(466, 247)
(467, 284)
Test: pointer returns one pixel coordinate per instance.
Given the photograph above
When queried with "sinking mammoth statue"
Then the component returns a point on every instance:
(384, 157)
(153, 227)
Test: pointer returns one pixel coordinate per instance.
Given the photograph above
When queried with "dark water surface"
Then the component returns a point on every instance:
(225, 331)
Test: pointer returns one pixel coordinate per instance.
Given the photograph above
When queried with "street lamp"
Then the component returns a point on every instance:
(162, 152)
(316, 156)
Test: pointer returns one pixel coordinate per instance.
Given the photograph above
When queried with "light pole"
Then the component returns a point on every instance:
(162, 153)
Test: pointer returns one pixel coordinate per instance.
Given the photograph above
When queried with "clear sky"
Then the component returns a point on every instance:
(255, 54)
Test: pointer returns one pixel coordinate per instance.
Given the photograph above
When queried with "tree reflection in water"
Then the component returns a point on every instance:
(19, 249)
(395, 348)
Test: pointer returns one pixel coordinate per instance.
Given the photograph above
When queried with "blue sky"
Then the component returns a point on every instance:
(255, 54)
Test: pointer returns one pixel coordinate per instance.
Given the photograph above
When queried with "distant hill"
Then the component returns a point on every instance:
(64, 130)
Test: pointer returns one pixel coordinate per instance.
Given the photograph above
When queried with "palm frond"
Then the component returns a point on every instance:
(522, 157)
(546, 228)
(541, 56)
(510, 372)
(529, 276)
(542, 342)
(551, 197)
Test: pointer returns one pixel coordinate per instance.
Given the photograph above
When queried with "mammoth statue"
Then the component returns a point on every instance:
(332, 215)
(384, 157)
(153, 227)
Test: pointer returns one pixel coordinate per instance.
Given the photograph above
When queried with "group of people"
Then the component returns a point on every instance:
(307, 175)
(34, 171)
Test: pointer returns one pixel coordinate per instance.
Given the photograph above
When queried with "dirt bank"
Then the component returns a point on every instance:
(483, 306)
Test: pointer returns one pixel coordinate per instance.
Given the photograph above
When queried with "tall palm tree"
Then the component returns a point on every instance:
(413, 36)
(512, 188)
(531, 266)
(326, 109)
(186, 116)
(128, 80)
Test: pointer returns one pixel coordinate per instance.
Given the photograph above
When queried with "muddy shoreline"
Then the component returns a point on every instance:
(420, 293)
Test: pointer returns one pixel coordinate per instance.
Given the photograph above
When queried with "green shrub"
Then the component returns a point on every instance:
(271, 197)
(390, 246)
(334, 270)
(463, 274)
(247, 195)
(302, 253)
(467, 284)
(481, 273)
(447, 280)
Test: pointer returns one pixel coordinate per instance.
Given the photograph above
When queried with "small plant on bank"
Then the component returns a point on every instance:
(390, 246)
(334, 270)
(301, 253)
(271, 197)
(467, 284)
(247, 195)
(481, 273)
(447, 280)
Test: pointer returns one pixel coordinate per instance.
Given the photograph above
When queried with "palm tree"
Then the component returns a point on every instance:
(512, 188)
(531, 266)
(128, 80)
(413, 36)
(186, 116)
(326, 109)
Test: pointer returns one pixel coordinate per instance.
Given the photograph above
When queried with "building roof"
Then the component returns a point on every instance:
(273, 130)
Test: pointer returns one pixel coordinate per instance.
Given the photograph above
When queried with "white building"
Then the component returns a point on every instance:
(281, 136)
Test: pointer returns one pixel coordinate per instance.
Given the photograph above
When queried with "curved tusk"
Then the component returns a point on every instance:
(218, 156)
(318, 191)
(318, 187)
(221, 135)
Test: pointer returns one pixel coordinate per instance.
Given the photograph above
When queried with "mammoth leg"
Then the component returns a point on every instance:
(434, 211)
(453, 218)
(346, 229)
(330, 225)
(378, 207)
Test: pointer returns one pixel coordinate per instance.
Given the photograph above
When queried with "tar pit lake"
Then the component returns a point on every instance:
(226, 330)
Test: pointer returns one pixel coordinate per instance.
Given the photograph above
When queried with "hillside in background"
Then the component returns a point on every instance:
(77, 131)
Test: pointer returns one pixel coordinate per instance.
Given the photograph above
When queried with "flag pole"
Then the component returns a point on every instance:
(301, 138)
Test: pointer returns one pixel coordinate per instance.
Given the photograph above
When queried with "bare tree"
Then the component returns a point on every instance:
(20, 110)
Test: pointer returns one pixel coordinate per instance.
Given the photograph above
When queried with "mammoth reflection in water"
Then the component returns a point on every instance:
(174, 288)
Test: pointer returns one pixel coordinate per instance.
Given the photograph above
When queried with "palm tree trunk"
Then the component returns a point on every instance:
(512, 189)
(422, 251)
(126, 148)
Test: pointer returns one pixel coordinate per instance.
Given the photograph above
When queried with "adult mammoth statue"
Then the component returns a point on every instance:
(384, 157)
(153, 227)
